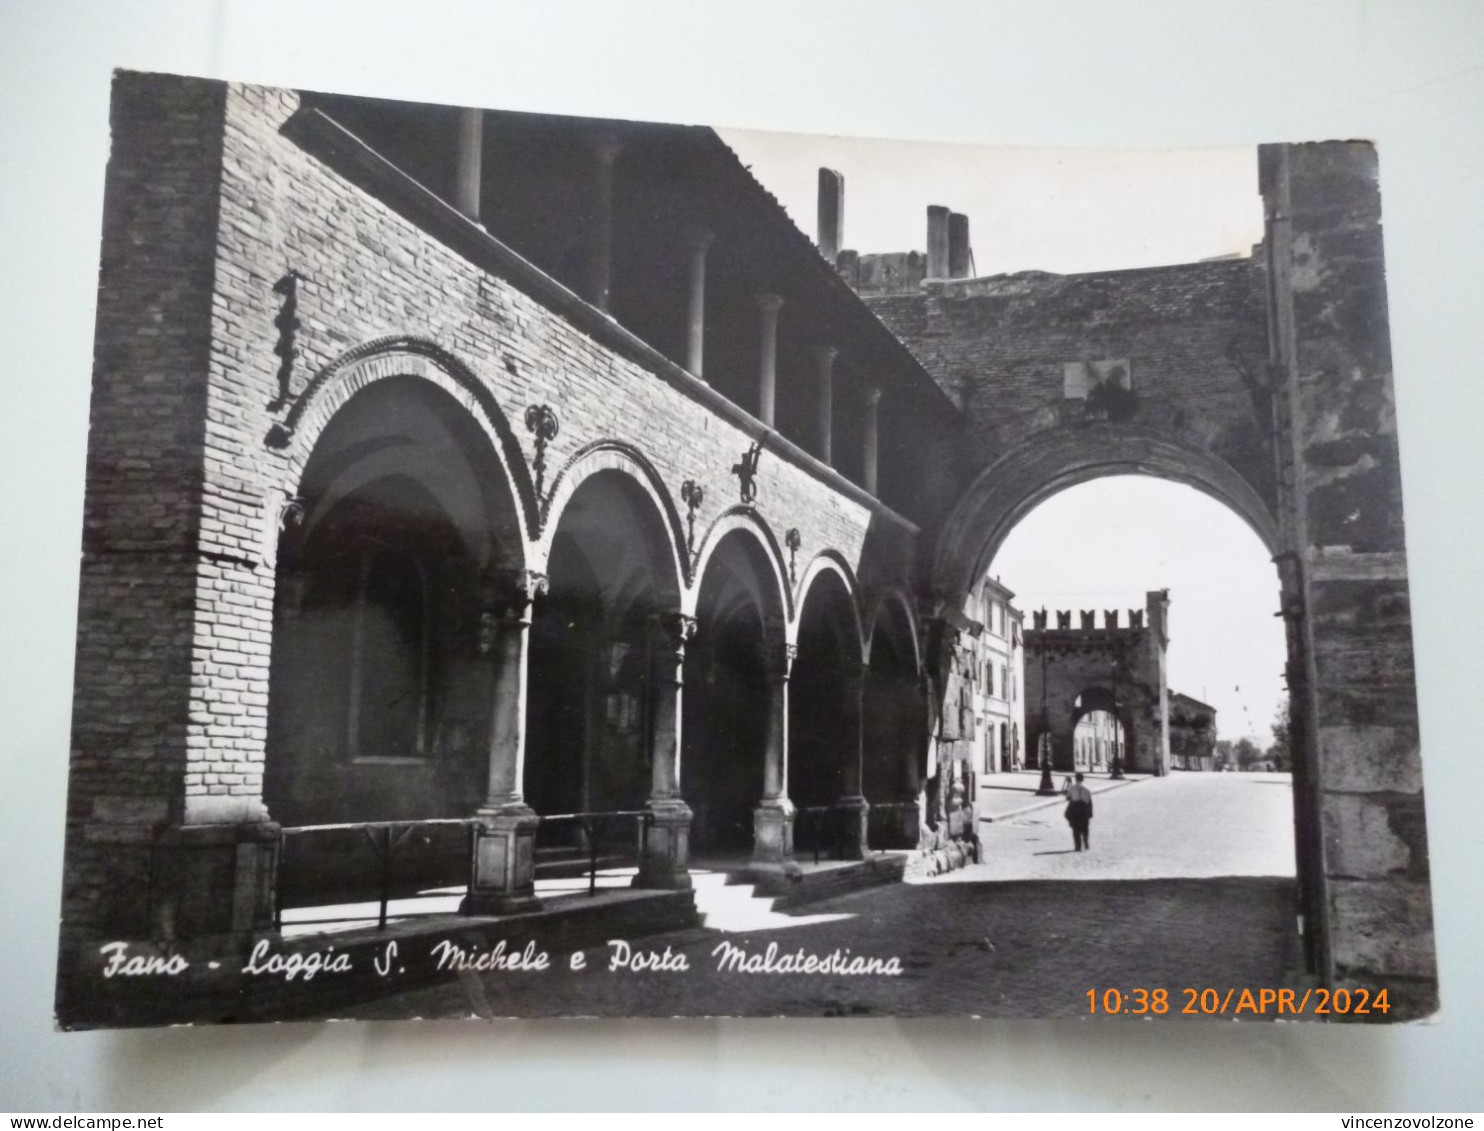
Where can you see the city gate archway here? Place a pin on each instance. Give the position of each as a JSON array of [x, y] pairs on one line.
[[1118, 666]]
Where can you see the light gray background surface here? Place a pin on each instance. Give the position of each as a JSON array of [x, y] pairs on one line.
[[1409, 75]]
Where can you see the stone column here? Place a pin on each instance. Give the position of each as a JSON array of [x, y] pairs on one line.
[[852, 806], [667, 833], [470, 157], [825, 421], [937, 242], [504, 861], [699, 240], [1063, 737], [773, 820], [767, 357], [959, 253], [600, 254], [873, 404], [831, 214]]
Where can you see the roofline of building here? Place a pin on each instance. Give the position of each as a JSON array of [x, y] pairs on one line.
[[945, 283], [1000, 589], [319, 134], [807, 252], [1191, 699]]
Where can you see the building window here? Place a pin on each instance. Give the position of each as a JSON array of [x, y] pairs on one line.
[[388, 692]]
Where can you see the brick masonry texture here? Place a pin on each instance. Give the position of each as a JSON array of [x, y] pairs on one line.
[[240, 206], [138, 583], [368, 273]]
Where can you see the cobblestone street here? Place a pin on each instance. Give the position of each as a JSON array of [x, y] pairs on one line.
[[1007, 938], [1191, 825]]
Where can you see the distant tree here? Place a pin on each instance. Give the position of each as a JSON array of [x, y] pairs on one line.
[[1246, 753], [1281, 752]]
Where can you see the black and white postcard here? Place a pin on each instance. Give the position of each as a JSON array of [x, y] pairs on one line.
[[538, 566]]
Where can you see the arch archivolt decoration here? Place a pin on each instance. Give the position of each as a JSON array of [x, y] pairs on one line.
[[747, 520], [1053, 461], [614, 455], [828, 561], [400, 356]]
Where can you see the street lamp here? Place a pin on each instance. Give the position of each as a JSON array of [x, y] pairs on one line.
[[1043, 752], [1117, 772]]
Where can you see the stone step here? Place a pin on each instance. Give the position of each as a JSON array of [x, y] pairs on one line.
[[736, 908]]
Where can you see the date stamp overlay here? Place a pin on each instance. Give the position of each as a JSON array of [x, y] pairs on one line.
[[1238, 1001]]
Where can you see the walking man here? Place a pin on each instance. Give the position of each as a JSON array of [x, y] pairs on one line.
[[1079, 812]]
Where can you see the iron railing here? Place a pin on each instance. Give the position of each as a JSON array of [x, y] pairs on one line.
[[813, 818], [387, 840], [595, 826]]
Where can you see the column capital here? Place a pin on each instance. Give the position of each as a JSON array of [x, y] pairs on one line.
[[674, 630], [778, 658], [511, 592], [698, 237], [873, 395], [769, 304], [825, 355]]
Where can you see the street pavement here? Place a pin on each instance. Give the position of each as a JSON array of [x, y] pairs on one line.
[[1181, 890], [1186, 824], [1005, 795]]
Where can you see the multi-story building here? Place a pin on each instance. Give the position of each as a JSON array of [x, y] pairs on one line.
[[1192, 733], [1096, 742], [999, 697]]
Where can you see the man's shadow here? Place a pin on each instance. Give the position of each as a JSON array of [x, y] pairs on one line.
[[1055, 852]]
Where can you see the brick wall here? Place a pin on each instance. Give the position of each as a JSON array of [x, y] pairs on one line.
[[196, 447], [138, 579]]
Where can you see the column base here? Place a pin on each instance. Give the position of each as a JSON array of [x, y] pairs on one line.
[[195, 903], [854, 815], [504, 864], [665, 862], [773, 837]]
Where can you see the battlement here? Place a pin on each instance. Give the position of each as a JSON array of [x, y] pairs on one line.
[[1155, 614], [1086, 622]]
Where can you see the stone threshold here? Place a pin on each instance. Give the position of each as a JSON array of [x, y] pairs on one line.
[[825, 880]]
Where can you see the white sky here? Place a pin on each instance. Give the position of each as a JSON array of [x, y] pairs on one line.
[[1057, 210], [1104, 544]]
